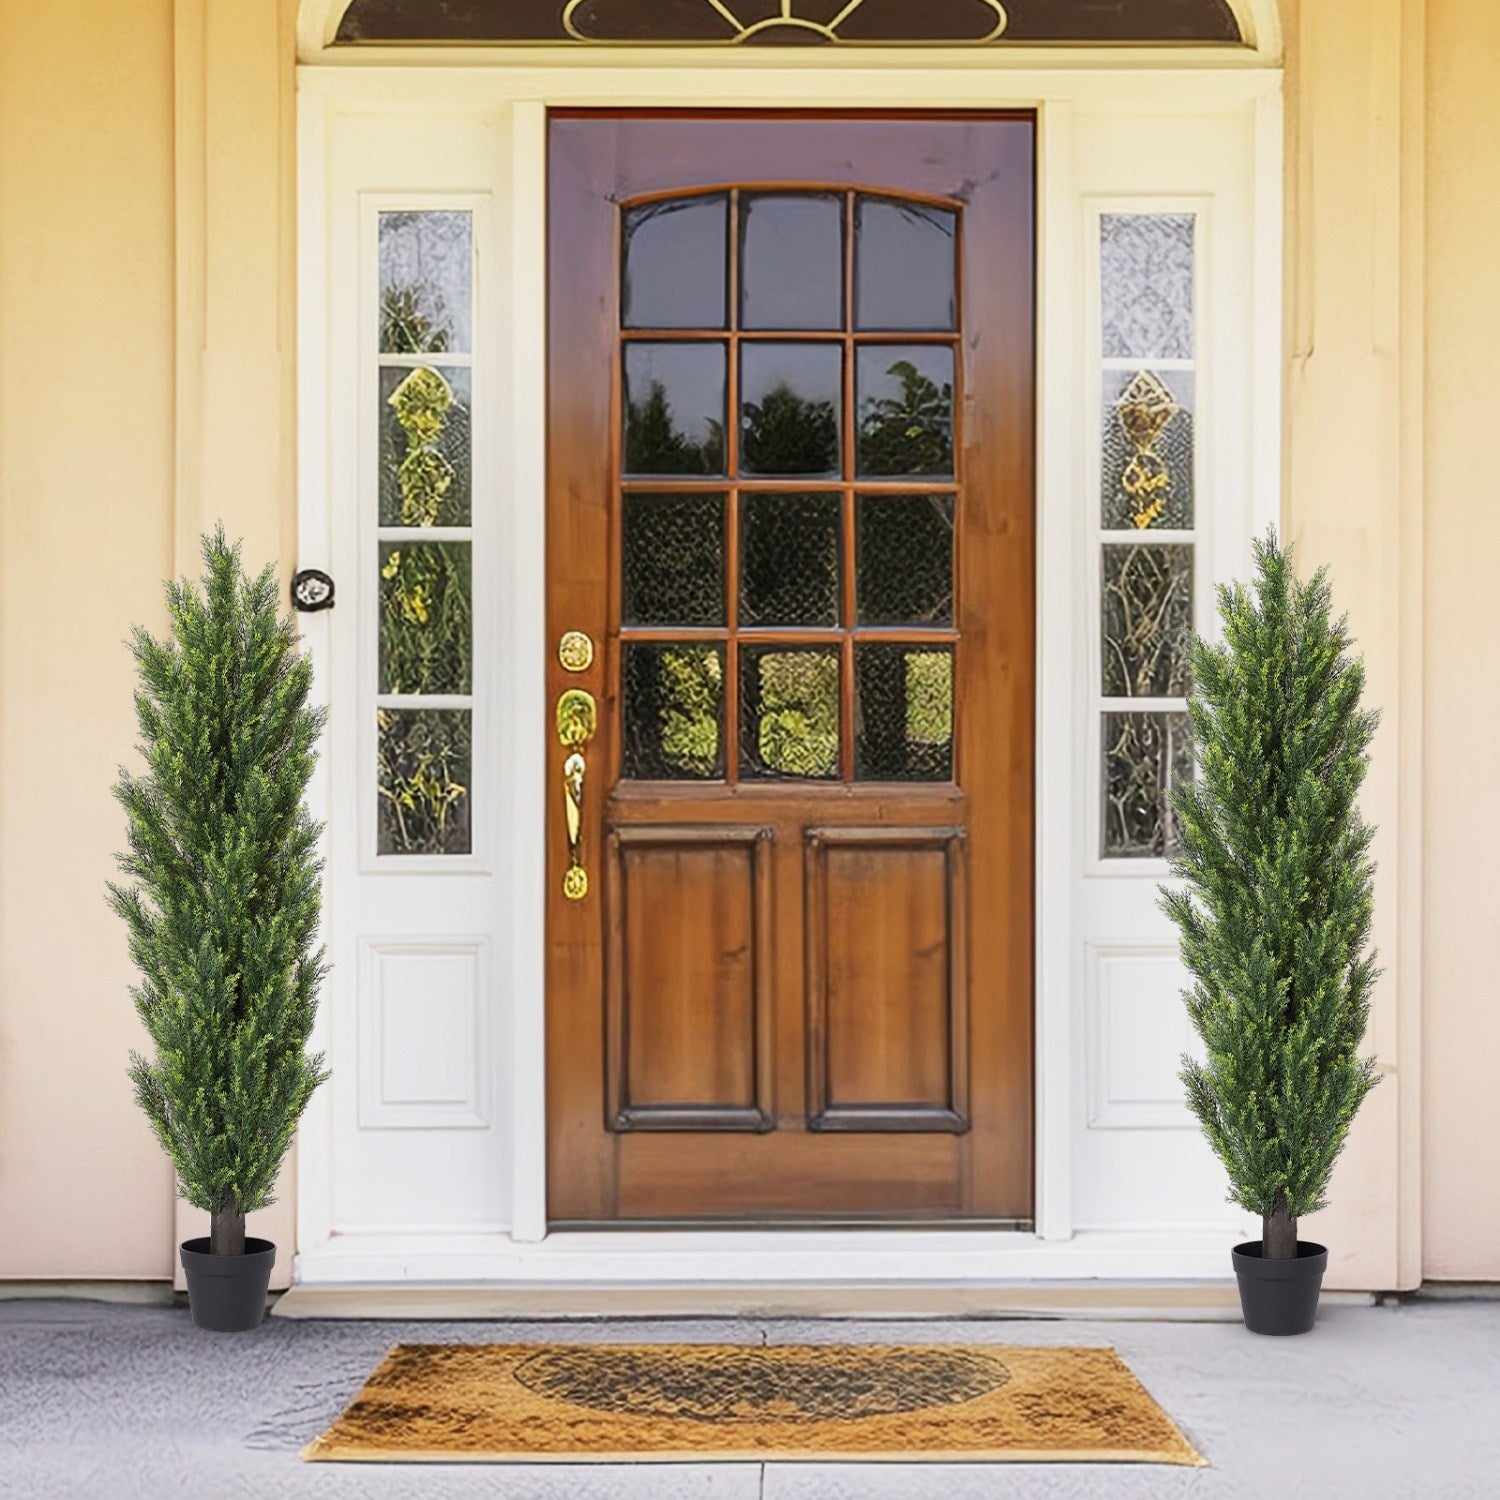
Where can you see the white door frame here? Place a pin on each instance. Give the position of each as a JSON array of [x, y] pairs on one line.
[[1093, 118]]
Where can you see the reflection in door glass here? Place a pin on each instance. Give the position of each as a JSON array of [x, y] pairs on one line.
[[673, 560], [905, 401], [904, 712], [905, 567], [906, 266], [676, 257], [673, 711], [789, 559], [792, 261], [791, 402], [789, 713], [674, 408]]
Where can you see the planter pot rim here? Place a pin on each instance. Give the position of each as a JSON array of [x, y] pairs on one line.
[[206, 1263], [1312, 1260]]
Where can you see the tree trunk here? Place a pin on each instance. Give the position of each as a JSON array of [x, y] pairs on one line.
[[226, 1234], [1278, 1235]]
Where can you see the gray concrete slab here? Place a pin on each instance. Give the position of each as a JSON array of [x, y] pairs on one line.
[[123, 1402]]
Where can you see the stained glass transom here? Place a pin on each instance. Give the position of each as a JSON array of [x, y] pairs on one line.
[[789, 22]]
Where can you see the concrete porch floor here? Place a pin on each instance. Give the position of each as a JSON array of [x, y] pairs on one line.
[[133, 1403]]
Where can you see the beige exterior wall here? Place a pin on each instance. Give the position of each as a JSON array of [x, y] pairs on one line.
[[146, 319], [1461, 1117]]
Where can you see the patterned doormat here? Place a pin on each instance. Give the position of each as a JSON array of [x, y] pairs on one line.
[[639, 1403]]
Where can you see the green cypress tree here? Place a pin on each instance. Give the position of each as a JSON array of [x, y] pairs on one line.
[[1276, 907], [223, 900]]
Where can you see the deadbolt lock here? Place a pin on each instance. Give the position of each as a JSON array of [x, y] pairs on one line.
[[575, 651]]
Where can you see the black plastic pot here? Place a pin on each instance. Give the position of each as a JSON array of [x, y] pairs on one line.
[[1280, 1297], [227, 1293]]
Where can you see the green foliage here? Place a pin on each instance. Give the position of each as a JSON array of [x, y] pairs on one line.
[[1275, 915], [786, 434], [798, 733], [655, 444], [223, 894], [426, 618], [406, 326], [909, 434], [691, 687], [424, 758]]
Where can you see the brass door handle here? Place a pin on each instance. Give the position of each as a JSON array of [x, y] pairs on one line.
[[577, 722]]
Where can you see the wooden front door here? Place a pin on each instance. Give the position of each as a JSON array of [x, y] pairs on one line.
[[790, 502]]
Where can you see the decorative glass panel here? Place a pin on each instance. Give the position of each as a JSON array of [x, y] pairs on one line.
[[905, 559], [1148, 450], [1146, 271], [674, 560], [800, 23], [674, 408], [789, 713], [426, 282], [1148, 621], [674, 706], [904, 713], [1144, 753], [906, 266], [676, 257], [792, 261], [426, 618], [426, 446], [424, 765], [905, 401], [791, 398], [789, 559]]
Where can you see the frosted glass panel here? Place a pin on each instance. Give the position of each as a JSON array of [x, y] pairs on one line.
[[1146, 265], [426, 282]]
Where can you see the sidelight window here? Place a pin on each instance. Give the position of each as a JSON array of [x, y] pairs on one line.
[[425, 660], [1148, 516]]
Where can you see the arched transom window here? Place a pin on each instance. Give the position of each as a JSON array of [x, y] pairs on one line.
[[792, 22]]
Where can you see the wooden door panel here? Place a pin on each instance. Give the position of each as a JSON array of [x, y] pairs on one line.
[[690, 998], [796, 518], [886, 982]]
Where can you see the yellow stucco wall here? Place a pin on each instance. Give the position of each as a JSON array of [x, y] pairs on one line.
[[146, 192], [1461, 1176], [86, 486]]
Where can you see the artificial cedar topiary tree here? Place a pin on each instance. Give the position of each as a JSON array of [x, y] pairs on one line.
[[222, 908], [1275, 912]]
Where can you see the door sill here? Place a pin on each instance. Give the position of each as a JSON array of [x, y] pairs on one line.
[[788, 1224], [751, 1258]]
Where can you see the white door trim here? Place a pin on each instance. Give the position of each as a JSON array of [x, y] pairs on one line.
[[1066, 1243]]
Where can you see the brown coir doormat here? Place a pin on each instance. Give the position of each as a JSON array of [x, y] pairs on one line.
[[507, 1403]]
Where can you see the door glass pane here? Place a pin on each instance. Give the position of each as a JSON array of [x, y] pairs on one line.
[[674, 560], [1146, 274], [792, 261], [905, 562], [1148, 450], [789, 713], [904, 713], [1144, 754], [674, 408], [905, 266], [791, 402], [426, 618], [789, 559], [424, 765], [676, 258], [426, 446], [1147, 621], [426, 282], [905, 395], [673, 712]]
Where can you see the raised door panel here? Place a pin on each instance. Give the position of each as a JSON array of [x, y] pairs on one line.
[[688, 979]]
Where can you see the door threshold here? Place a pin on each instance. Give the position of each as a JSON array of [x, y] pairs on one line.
[[1092, 1302]]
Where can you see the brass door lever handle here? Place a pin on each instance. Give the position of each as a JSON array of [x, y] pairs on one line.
[[577, 723]]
